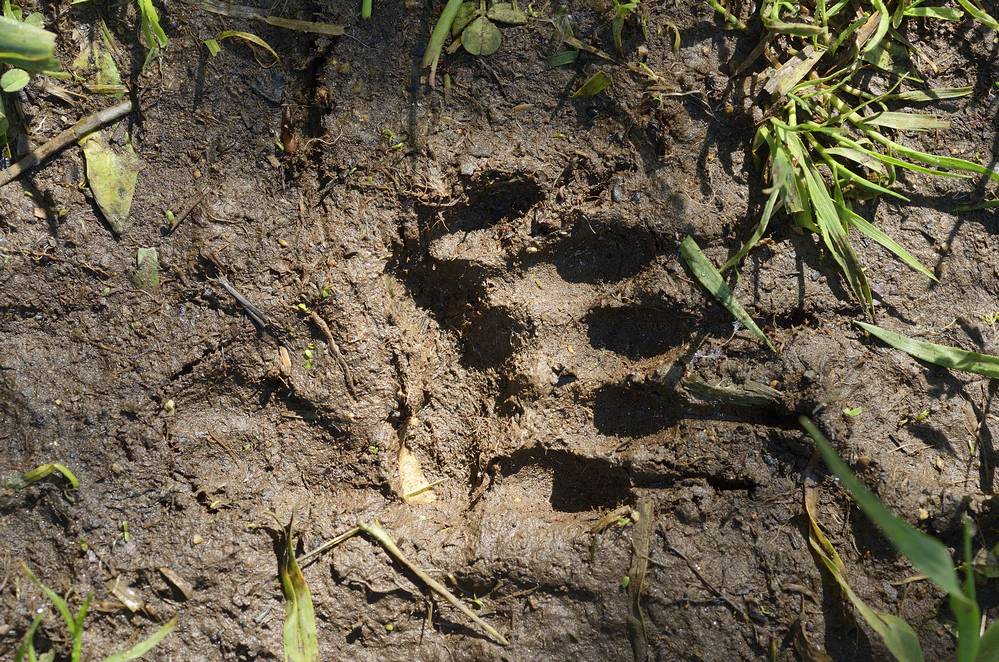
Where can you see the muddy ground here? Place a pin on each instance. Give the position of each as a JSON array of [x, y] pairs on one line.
[[498, 268]]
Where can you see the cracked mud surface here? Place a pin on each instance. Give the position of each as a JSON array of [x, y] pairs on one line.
[[522, 328]]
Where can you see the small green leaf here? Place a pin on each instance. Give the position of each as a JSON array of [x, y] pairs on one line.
[[980, 14], [939, 13], [906, 121], [596, 84], [708, 276], [112, 174], [481, 37], [26, 46], [853, 412]]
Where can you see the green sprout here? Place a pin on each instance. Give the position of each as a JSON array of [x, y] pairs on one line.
[[829, 141], [26, 652], [152, 32]]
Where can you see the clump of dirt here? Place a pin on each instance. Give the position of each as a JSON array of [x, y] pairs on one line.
[[489, 275]]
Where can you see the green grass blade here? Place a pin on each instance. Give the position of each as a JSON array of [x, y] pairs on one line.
[[927, 554], [966, 611], [932, 159], [77, 630], [987, 204], [988, 645], [939, 13], [794, 29], [980, 14], [146, 645], [874, 232], [441, 31], [890, 160], [857, 156], [761, 228], [151, 28], [897, 635], [942, 355], [54, 598], [863, 182], [301, 640], [884, 22], [936, 94], [906, 121], [27, 645], [711, 279], [834, 236]]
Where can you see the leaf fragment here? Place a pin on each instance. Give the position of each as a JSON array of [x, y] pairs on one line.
[[248, 37], [413, 483], [509, 13], [112, 175]]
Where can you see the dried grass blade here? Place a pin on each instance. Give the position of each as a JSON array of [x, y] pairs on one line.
[[898, 636], [874, 232]]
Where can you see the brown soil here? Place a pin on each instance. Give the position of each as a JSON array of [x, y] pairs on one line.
[[506, 292]]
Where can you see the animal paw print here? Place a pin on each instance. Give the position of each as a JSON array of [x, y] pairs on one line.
[[547, 298]]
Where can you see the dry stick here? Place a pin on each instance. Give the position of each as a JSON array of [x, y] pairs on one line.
[[306, 559], [335, 348], [641, 539], [63, 139], [375, 530]]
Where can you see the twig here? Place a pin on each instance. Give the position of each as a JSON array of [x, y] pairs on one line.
[[697, 573], [348, 378], [255, 313], [186, 211], [375, 530], [63, 139], [307, 558]]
